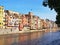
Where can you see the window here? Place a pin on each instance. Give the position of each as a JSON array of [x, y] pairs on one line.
[[0, 23]]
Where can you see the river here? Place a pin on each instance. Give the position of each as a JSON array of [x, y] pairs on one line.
[[51, 38]]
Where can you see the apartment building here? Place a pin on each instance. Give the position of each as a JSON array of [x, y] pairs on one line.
[[28, 21], [39, 23], [42, 23], [2, 17], [54, 25], [48, 23], [33, 21], [36, 24], [11, 19], [23, 23]]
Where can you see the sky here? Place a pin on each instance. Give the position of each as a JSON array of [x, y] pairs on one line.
[[25, 6]]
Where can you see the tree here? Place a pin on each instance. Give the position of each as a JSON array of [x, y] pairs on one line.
[[54, 4]]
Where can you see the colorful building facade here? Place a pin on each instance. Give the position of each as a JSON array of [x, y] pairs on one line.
[[10, 19], [1, 17]]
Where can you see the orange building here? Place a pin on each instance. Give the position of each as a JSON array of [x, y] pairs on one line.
[[23, 22], [32, 20]]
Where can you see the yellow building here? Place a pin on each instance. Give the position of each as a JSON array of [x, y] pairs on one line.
[[1, 16]]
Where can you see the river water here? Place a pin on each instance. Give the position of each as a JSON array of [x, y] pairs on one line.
[[52, 38]]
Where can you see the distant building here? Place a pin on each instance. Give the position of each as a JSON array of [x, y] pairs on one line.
[[48, 23]]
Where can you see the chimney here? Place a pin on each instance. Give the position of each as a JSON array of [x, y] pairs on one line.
[[30, 13]]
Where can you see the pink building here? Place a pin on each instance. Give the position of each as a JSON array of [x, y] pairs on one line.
[[11, 19]]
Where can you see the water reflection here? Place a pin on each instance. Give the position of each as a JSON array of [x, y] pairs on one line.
[[52, 38], [55, 42]]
